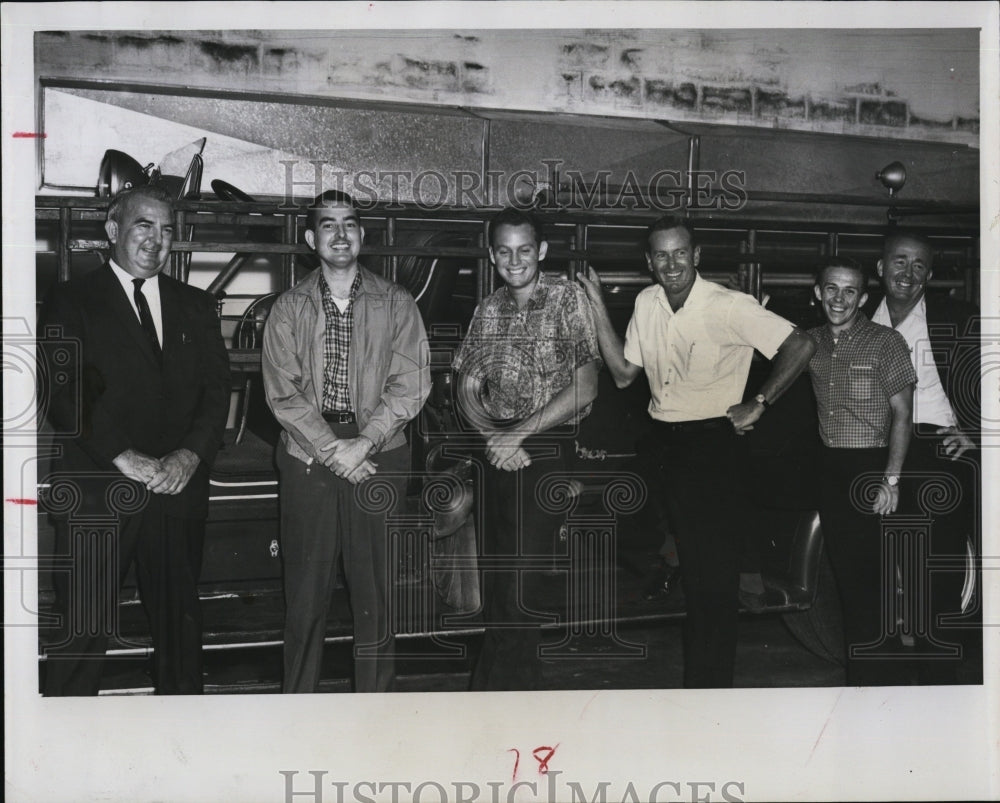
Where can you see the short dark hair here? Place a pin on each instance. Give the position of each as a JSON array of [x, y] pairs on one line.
[[327, 198], [150, 192], [842, 262], [666, 223], [512, 216], [894, 236]]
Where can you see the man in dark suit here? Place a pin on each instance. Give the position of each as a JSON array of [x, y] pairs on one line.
[[139, 423], [941, 473]]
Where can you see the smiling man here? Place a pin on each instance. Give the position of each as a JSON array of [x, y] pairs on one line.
[[944, 341], [863, 382], [528, 374], [695, 340], [346, 365], [151, 394]]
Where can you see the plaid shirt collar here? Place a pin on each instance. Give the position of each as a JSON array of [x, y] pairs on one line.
[[847, 335]]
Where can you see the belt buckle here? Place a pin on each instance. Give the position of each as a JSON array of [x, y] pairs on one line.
[[345, 418]]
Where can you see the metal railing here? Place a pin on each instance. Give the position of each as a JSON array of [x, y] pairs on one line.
[[574, 241]]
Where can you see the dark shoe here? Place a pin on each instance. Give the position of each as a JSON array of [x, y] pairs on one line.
[[662, 583]]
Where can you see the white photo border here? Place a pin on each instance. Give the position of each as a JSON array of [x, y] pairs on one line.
[[790, 744]]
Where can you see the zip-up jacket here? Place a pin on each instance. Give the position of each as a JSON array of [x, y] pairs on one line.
[[388, 369]]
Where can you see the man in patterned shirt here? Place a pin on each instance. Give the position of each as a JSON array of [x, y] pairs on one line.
[[346, 365], [528, 373], [863, 381]]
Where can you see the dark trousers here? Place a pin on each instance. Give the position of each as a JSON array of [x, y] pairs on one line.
[[946, 494], [704, 484], [865, 573], [167, 554], [517, 535], [322, 519]]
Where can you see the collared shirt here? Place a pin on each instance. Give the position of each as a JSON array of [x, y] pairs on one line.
[[337, 346], [150, 289], [389, 372], [697, 359], [853, 378], [930, 404], [526, 356]]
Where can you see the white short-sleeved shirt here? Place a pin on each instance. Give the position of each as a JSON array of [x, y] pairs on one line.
[[697, 359]]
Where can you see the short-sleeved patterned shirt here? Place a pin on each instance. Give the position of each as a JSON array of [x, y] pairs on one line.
[[337, 347], [526, 356], [853, 380]]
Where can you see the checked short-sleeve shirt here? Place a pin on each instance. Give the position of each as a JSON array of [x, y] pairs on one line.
[[853, 379], [526, 356], [337, 347]]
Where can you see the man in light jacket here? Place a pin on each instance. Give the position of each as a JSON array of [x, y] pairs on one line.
[[346, 364]]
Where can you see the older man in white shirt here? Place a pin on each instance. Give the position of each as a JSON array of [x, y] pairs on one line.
[[943, 338]]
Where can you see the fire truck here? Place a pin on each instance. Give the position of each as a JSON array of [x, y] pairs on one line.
[[246, 248]]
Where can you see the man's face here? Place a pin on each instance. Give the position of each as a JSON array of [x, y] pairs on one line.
[[841, 291], [905, 270], [672, 260], [516, 255], [337, 236], [142, 237]]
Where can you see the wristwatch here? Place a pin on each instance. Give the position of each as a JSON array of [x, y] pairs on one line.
[[761, 400], [892, 480]]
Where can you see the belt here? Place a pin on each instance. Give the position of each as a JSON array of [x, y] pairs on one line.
[[340, 416], [701, 425]]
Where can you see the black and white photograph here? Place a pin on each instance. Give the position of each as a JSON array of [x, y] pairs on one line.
[[465, 401]]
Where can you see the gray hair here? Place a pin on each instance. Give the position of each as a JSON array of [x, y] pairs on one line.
[[149, 192]]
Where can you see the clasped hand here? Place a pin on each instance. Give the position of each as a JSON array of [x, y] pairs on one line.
[[504, 451], [348, 458], [168, 475], [744, 416]]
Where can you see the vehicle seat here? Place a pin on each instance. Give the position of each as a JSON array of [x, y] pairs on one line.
[[249, 334], [431, 280]]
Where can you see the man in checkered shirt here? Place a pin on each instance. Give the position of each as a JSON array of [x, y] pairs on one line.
[[863, 381], [346, 365], [528, 373]]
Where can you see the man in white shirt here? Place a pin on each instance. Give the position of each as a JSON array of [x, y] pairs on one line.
[[695, 341], [944, 481]]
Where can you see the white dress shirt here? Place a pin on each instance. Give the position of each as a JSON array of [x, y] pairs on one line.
[[697, 359], [150, 289], [930, 404]]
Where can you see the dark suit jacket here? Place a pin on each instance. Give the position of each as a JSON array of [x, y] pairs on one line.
[[118, 397], [955, 334]]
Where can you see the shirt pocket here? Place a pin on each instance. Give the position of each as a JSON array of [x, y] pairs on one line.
[[861, 382], [702, 361]]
